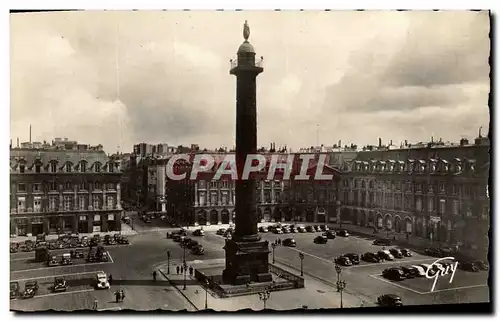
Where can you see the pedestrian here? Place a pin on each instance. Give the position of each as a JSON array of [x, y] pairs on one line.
[[95, 304], [177, 268], [279, 241], [117, 296], [122, 295], [110, 279], [154, 275], [191, 270]]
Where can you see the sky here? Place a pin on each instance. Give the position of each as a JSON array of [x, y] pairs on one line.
[[120, 78]]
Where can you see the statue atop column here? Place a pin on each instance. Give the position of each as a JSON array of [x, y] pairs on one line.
[[246, 31]]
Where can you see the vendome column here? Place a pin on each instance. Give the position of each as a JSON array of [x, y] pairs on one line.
[[246, 254]]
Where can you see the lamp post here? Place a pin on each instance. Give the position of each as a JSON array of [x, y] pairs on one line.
[[185, 268], [206, 294], [340, 287], [338, 214], [301, 256], [264, 296], [338, 269], [168, 262], [273, 245]]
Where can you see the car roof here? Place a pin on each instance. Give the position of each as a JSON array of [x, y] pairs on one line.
[[392, 296], [101, 275]]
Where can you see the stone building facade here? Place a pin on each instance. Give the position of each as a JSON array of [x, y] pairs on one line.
[[438, 193], [68, 189]]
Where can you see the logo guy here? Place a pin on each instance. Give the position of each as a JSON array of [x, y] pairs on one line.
[[452, 268]]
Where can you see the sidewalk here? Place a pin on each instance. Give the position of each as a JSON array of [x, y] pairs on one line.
[[315, 295], [126, 230]]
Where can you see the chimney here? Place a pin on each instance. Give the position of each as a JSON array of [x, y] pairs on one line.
[[406, 143], [379, 142], [17, 142], [391, 143], [432, 139], [340, 143]]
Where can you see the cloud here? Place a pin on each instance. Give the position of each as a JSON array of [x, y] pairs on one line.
[[120, 78]]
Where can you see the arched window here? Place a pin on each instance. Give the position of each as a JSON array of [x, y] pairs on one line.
[[111, 167], [97, 167], [83, 166], [68, 167]]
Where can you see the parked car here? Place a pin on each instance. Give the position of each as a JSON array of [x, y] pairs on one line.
[[109, 240], [329, 235], [14, 247], [468, 266], [342, 233], [343, 260], [320, 239], [481, 265], [77, 254], [293, 229], [385, 242], [191, 244], [324, 228], [420, 270], [198, 232], [278, 230], [353, 257], [393, 274], [301, 229], [286, 230], [221, 231], [59, 285], [410, 272], [310, 229], [427, 267], [317, 228], [390, 300], [14, 290], [198, 250], [371, 257], [289, 242], [66, 259], [122, 239], [385, 255], [406, 252], [396, 253], [263, 229], [85, 241], [126, 220], [30, 289], [52, 261], [177, 238], [438, 252], [101, 281]]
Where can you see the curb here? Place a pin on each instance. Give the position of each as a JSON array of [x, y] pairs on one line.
[[179, 290]]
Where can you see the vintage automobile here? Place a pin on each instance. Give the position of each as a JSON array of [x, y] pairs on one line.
[[52, 261], [66, 259], [77, 254], [384, 242], [410, 272], [371, 257], [481, 265], [390, 300], [14, 247], [30, 289], [420, 270], [353, 257], [109, 240], [468, 266], [290, 242], [342, 233], [324, 228], [406, 252], [385, 255], [59, 285], [84, 241], [310, 229], [198, 232], [394, 274], [101, 281], [301, 229], [122, 239], [263, 229], [396, 253], [329, 234], [198, 250], [343, 260], [320, 239], [14, 290], [317, 228]]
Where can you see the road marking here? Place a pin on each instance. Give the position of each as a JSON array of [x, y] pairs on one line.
[[312, 255], [23, 258], [457, 288], [375, 276], [109, 255], [388, 263], [59, 266], [55, 276]]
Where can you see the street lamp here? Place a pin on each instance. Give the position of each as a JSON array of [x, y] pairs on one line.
[[185, 268], [340, 287], [264, 296], [301, 256], [168, 262], [338, 214], [273, 245], [338, 269], [206, 294]]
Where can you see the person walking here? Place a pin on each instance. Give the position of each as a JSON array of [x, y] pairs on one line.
[[95, 304], [178, 269], [110, 279], [154, 275], [117, 296], [191, 271], [122, 295]]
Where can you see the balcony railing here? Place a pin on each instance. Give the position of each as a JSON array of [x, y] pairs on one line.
[[233, 63]]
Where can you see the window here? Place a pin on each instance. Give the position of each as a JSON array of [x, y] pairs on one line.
[[398, 185], [277, 195], [267, 196], [36, 187], [37, 204], [21, 168], [21, 204], [37, 168], [224, 184], [53, 186], [486, 210], [441, 187], [345, 183], [97, 167], [202, 184], [53, 167], [213, 198], [21, 187], [68, 185], [418, 187], [67, 203], [52, 203], [96, 202], [455, 207], [111, 217], [110, 202], [418, 204], [68, 167], [202, 199], [430, 204], [84, 186], [81, 203], [442, 206], [213, 184], [97, 185], [97, 218], [356, 183], [82, 218], [83, 166], [111, 167]]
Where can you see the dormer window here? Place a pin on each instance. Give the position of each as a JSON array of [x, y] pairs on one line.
[[111, 167], [68, 167], [53, 167], [97, 167], [83, 166], [22, 168]]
